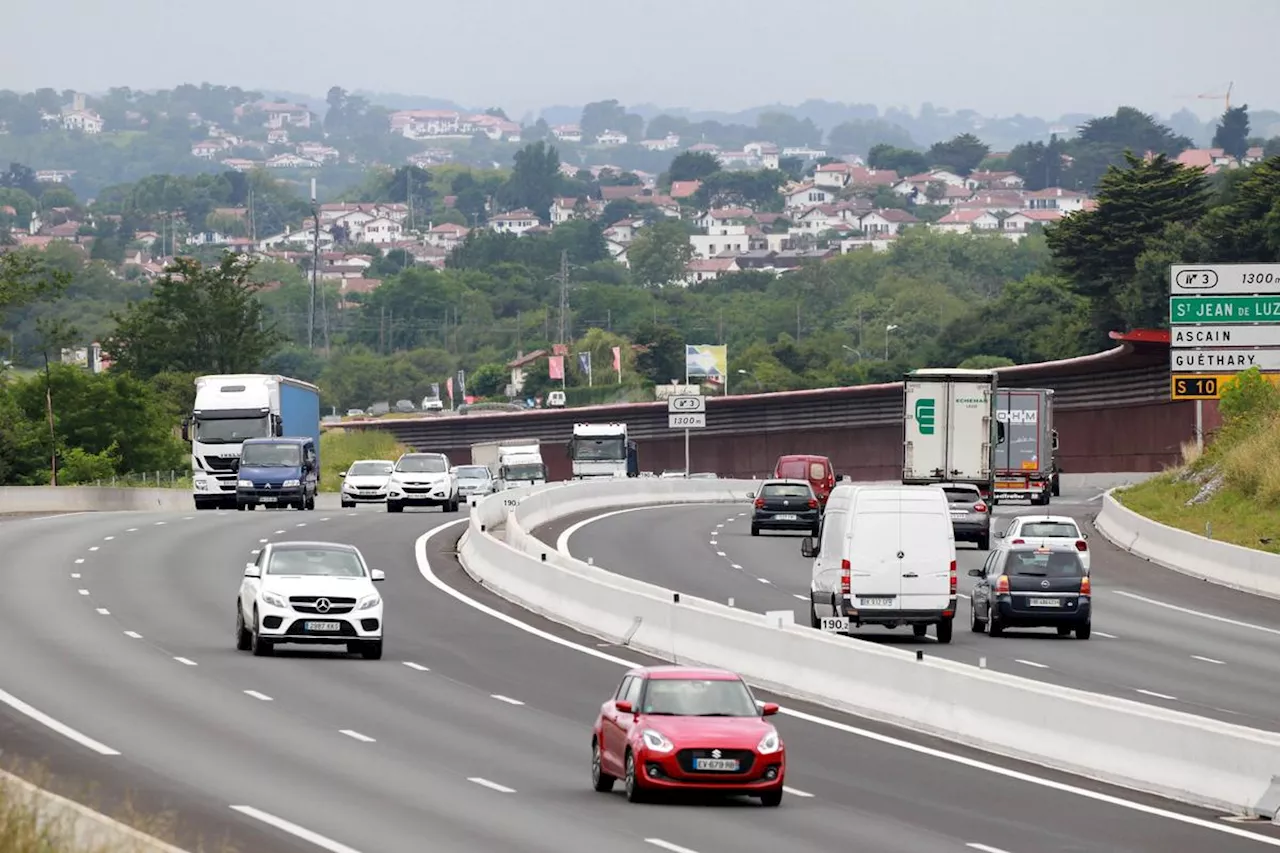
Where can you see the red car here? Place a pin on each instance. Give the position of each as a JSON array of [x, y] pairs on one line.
[[816, 469], [671, 728]]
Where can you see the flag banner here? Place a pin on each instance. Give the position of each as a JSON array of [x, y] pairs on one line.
[[462, 383], [448, 386], [706, 363], [584, 362], [555, 367], [617, 359], [559, 349]]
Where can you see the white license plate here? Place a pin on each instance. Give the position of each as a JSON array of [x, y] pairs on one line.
[[786, 516], [1045, 602], [324, 626], [834, 624], [729, 765], [875, 602], [268, 500], [958, 514]]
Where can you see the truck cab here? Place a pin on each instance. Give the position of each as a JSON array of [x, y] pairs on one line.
[[602, 450], [280, 472]]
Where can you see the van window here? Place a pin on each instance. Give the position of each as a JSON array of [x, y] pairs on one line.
[[832, 532], [792, 470], [817, 471], [785, 491]]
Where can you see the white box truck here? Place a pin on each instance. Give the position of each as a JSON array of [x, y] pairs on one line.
[[950, 429], [512, 462]]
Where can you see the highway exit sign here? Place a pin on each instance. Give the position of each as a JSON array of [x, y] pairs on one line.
[[1186, 310], [1203, 386]]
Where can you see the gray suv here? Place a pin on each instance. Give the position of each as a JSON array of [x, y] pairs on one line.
[[970, 514]]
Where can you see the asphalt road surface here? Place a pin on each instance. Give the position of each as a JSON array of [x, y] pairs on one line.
[[119, 671]]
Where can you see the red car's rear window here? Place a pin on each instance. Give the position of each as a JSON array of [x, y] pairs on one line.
[[792, 470]]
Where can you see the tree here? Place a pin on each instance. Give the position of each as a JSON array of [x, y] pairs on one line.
[[863, 136], [660, 253], [25, 277], [904, 161], [692, 166], [662, 357], [1232, 135], [534, 181], [1132, 130], [204, 319], [1246, 229], [599, 116], [1040, 165], [488, 380], [788, 131], [961, 154]]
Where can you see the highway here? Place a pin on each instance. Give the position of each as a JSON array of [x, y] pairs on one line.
[[1158, 637], [119, 670]]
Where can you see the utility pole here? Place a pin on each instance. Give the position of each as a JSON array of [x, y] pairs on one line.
[[564, 291], [315, 267]]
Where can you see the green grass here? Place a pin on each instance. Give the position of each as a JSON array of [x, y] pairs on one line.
[[340, 447]]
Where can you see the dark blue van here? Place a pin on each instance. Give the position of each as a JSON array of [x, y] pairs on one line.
[[278, 472]]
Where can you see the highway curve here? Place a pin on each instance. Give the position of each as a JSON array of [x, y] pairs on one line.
[[472, 733], [1158, 636]]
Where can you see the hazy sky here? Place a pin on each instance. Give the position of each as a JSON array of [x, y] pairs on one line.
[[1040, 57]]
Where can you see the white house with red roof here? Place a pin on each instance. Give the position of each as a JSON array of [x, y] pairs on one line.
[[709, 269], [807, 195], [967, 222], [1055, 198], [515, 222]]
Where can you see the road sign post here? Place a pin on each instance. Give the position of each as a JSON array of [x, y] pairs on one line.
[[686, 411], [1223, 319]]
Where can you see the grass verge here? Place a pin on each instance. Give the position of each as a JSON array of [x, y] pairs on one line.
[[340, 447]]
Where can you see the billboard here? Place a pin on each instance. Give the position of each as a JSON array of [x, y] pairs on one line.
[[706, 363]]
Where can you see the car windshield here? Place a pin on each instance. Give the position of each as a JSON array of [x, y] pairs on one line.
[[1049, 564], [472, 472], [370, 469], [422, 465], [784, 490], [1050, 530], [315, 561], [270, 456], [698, 697], [962, 496], [229, 430]]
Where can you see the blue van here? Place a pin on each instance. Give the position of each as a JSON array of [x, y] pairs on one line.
[[278, 472]]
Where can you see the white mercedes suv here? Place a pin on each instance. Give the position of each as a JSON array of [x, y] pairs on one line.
[[312, 593], [422, 479]]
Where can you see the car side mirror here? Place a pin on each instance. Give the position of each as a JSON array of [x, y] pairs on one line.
[[975, 573], [252, 571], [839, 478], [1000, 534], [377, 575], [342, 473], [624, 707], [1084, 535], [808, 548], [751, 496], [769, 709]]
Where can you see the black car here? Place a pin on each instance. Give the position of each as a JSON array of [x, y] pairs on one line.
[[786, 505], [1029, 587], [970, 514]]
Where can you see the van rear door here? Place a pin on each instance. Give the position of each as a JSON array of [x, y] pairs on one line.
[[928, 549], [875, 581]]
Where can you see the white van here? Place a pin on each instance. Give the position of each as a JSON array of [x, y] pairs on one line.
[[885, 555], [555, 400]]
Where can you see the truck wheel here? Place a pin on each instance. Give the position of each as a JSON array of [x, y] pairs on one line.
[[944, 631], [1056, 489]]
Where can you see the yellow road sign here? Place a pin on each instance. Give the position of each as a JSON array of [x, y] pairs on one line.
[[1206, 386]]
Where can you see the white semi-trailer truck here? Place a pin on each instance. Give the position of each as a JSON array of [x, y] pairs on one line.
[[602, 450], [950, 429]]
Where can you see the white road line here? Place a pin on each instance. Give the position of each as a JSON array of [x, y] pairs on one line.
[[185, 661], [302, 524], [324, 519], [667, 845], [50, 723], [262, 541], [735, 566], [107, 538], [255, 552], [351, 515], [506, 699], [985, 848], [419, 667], [187, 517], [278, 532], [1156, 695], [104, 611], [719, 553], [562, 541], [718, 526], [357, 736], [75, 575], [93, 547], [424, 569], [1105, 635], [256, 695], [764, 580], [83, 591], [1201, 614], [493, 786], [134, 634], [293, 829], [796, 792], [1209, 660], [799, 596], [712, 542], [159, 524], [132, 530], [79, 560], [1031, 663]]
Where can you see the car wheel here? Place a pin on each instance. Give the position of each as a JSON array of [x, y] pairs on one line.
[[242, 507], [920, 631], [994, 628], [772, 799], [755, 531], [601, 781], [372, 650], [244, 640], [984, 542], [943, 631], [813, 616], [1084, 630], [260, 647], [976, 625], [635, 793]]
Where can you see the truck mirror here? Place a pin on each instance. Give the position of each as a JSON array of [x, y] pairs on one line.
[[186, 429], [1054, 440]]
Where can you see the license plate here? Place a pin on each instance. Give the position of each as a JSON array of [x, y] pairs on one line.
[[958, 513], [875, 602], [1045, 602], [729, 765], [324, 626], [834, 624], [267, 500], [786, 516]]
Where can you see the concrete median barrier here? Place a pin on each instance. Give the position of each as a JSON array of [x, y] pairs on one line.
[[1173, 754], [92, 499]]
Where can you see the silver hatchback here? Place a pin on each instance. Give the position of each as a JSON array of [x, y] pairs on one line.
[[970, 514]]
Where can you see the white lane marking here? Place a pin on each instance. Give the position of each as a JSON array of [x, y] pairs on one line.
[[351, 515], [256, 695], [719, 553], [1156, 695], [493, 786], [1224, 620], [134, 634], [799, 596], [187, 517], [104, 611], [159, 523], [1105, 635], [764, 580], [93, 547], [302, 524], [985, 848], [562, 541], [79, 560], [50, 723], [356, 736], [293, 829], [278, 532], [962, 595], [667, 845], [262, 541], [419, 667], [506, 699], [718, 526], [83, 591], [424, 569], [1031, 663], [735, 566], [1209, 660], [132, 530], [75, 575], [107, 538], [324, 519], [712, 542], [255, 552], [796, 792], [185, 661]]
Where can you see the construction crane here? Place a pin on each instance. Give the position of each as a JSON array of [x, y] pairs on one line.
[[1225, 97]]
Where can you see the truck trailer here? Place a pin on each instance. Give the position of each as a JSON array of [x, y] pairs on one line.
[[950, 429], [512, 462], [1027, 458], [234, 407]]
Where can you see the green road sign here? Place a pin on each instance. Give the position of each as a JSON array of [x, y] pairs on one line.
[[926, 410], [1184, 310]]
